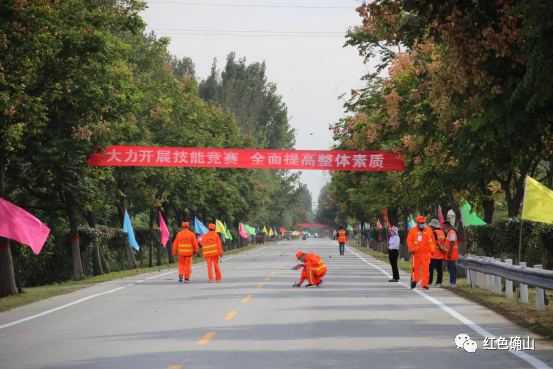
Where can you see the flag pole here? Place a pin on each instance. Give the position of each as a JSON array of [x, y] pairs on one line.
[[521, 222]]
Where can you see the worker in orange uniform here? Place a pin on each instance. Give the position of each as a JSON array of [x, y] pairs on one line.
[[438, 255], [313, 269], [187, 246], [452, 254], [420, 241], [342, 240], [211, 249]]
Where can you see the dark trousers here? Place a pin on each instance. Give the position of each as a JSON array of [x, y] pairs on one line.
[[451, 267], [436, 264], [342, 247], [393, 255]]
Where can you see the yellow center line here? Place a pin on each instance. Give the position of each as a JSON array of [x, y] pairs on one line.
[[247, 298], [267, 279], [206, 338], [259, 285], [273, 273], [231, 315], [175, 367]]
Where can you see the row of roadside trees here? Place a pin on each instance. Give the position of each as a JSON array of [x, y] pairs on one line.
[[77, 76], [463, 89]]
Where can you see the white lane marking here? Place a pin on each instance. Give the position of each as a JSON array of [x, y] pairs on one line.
[[115, 289], [96, 295], [58, 308], [536, 363]]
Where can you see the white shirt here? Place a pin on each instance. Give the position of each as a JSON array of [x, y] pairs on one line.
[[394, 242]]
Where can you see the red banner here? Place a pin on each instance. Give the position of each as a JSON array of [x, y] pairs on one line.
[[318, 225], [134, 156]]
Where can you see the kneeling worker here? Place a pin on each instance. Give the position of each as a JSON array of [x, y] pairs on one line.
[[186, 245], [313, 270], [211, 249]]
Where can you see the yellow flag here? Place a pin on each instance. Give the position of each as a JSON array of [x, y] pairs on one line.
[[538, 202], [265, 230], [219, 227], [271, 232]]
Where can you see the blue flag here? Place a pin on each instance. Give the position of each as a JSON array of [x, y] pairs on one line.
[[127, 228], [200, 228]]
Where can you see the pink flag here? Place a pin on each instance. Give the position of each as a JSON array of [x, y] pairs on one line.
[[17, 224], [378, 225], [164, 231], [242, 231], [441, 217]]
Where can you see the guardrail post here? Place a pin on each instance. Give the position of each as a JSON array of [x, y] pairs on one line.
[[497, 280], [523, 287], [540, 297], [508, 283], [487, 279]]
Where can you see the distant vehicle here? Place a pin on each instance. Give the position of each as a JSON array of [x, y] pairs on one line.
[[259, 239], [304, 237]]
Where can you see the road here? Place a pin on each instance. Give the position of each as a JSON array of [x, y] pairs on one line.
[[255, 319]]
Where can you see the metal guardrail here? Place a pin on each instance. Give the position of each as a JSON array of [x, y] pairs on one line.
[[516, 273]]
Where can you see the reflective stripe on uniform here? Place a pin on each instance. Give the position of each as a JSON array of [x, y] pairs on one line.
[[209, 247], [187, 247]]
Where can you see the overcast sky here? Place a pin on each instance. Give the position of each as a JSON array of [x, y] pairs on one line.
[[310, 72]]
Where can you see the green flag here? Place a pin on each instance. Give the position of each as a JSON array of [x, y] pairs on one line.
[[470, 219], [350, 228], [227, 234], [249, 230]]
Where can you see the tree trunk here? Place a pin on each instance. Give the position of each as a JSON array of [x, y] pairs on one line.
[[96, 261], [105, 265], [151, 248], [393, 216], [7, 276], [71, 207], [489, 203]]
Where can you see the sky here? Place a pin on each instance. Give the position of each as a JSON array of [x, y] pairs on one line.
[[310, 72]]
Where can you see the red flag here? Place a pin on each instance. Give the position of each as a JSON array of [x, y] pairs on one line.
[[164, 231], [282, 230], [388, 226], [19, 225]]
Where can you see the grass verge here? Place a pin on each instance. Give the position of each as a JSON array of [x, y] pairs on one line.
[[33, 294], [524, 315]]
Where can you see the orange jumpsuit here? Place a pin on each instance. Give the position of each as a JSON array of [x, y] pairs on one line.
[[186, 245], [211, 249], [422, 242], [314, 269]]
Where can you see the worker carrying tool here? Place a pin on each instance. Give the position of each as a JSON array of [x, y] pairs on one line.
[[187, 246], [420, 241], [211, 249], [313, 269]]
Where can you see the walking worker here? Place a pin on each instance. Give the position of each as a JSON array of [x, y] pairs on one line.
[[211, 249], [452, 254], [421, 245], [393, 253], [342, 240], [438, 255], [187, 246], [313, 269]]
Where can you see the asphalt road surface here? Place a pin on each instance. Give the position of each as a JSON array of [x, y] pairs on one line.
[[255, 319]]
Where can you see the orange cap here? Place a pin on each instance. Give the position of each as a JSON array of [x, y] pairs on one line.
[[185, 224], [421, 219], [211, 226], [300, 253]]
